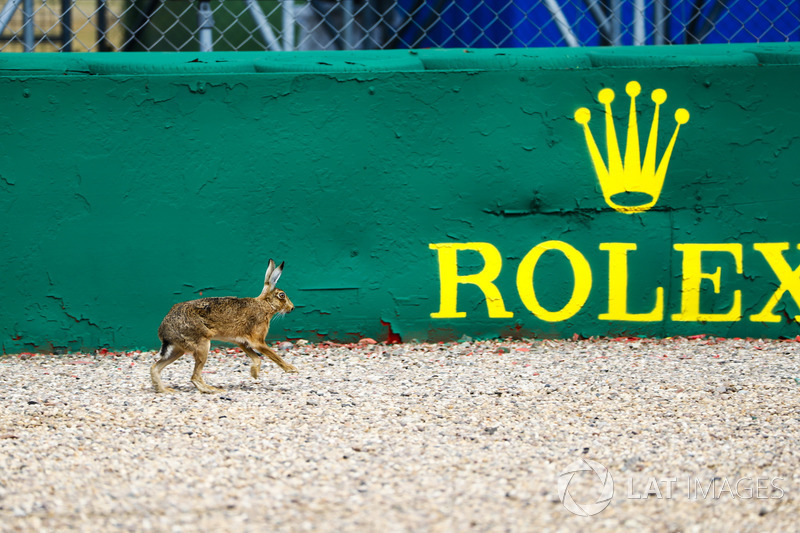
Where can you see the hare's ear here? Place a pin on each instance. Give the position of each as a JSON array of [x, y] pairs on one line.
[[270, 269], [275, 276]]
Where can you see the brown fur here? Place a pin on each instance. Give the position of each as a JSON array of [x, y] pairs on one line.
[[191, 326]]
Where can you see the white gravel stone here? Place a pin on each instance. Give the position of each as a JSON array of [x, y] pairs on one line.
[[467, 436]]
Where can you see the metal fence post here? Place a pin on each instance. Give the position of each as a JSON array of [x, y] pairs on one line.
[[263, 25], [27, 25], [7, 12], [561, 22], [288, 23], [638, 23], [205, 26]]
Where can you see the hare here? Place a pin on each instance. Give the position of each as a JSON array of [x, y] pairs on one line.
[[190, 327]]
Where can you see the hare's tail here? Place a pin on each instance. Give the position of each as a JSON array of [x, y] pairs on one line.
[[164, 349]]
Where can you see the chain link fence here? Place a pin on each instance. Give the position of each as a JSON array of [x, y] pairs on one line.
[[225, 25]]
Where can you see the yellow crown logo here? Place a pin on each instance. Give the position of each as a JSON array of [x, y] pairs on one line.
[[635, 186]]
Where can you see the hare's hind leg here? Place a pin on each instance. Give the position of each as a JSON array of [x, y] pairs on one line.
[[200, 353], [169, 353], [255, 360]]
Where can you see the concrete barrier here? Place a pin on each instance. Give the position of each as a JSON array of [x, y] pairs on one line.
[[426, 194]]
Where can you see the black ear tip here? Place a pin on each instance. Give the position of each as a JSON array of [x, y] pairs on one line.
[[282, 263]]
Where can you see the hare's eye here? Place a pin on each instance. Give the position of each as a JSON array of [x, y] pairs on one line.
[[281, 295]]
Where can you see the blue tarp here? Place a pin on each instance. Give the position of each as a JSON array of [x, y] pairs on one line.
[[510, 24]]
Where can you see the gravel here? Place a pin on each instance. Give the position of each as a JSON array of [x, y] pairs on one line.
[[467, 436]]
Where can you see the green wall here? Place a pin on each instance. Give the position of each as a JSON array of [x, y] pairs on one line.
[[129, 182]]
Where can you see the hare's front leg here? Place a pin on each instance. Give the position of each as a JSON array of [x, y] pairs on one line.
[[200, 353], [263, 349]]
